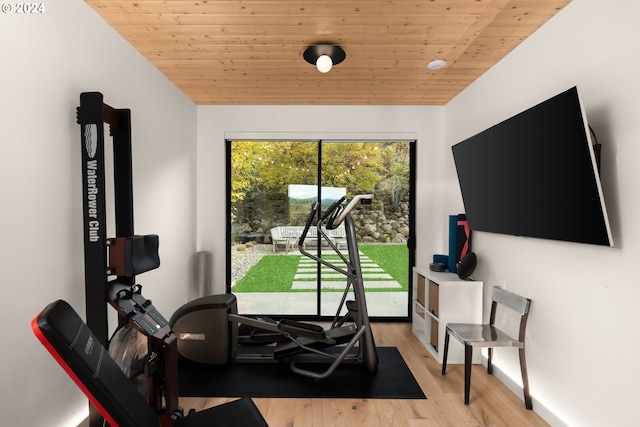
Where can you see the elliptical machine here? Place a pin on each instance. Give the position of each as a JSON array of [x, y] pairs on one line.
[[209, 329]]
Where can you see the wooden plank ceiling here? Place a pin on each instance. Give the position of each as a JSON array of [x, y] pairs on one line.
[[237, 52]]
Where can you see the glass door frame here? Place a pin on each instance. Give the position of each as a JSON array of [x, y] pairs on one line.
[[411, 239]]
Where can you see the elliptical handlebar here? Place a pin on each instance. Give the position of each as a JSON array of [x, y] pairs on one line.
[[336, 213], [339, 215], [307, 226], [334, 207]]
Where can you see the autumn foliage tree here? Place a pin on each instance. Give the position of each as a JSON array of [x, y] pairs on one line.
[[261, 172]]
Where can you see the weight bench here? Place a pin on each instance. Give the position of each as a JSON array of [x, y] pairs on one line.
[[70, 341]]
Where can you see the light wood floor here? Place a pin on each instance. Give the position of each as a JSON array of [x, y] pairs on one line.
[[492, 403]]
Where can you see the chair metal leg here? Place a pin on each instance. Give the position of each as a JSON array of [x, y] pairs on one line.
[[468, 356], [525, 379], [489, 364], [445, 352]]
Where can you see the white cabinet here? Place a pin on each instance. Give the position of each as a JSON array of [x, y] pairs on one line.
[[441, 298]]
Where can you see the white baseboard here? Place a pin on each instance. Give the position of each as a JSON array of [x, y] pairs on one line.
[[538, 407]]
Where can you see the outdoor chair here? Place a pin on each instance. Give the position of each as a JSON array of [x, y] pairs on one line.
[[488, 336], [277, 238]]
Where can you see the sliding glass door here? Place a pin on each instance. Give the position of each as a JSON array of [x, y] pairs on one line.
[[272, 187]]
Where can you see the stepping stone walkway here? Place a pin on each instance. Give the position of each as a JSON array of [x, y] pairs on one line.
[[373, 275]]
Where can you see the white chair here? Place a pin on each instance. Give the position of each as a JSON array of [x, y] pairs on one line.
[[278, 239], [488, 336]]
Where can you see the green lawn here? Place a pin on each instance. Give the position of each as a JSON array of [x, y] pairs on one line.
[[275, 273], [394, 259]]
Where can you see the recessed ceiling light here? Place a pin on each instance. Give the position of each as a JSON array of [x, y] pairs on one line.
[[436, 64]]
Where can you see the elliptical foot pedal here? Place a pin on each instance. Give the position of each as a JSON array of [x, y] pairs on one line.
[[352, 306], [300, 329], [252, 335]]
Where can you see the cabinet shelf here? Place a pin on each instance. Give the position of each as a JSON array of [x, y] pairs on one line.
[[419, 307], [421, 310], [442, 298]]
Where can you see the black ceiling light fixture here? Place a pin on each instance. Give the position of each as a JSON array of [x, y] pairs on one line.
[[324, 56]]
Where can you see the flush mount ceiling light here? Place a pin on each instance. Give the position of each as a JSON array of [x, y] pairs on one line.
[[324, 56], [436, 64]]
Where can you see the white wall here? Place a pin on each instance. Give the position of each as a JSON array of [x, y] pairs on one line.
[[215, 123], [582, 350], [581, 347], [46, 61]]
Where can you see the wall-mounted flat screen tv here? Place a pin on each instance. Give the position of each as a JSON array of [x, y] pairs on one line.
[[535, 175]]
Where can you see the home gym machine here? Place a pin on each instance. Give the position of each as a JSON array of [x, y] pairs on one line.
[[210, 330], [111, 266]]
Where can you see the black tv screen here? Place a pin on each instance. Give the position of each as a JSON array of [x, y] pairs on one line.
[[535, 175]]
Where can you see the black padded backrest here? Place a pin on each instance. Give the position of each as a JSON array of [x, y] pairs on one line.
[[86, 361]]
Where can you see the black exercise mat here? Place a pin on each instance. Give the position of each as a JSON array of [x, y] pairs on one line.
[[393, 380]]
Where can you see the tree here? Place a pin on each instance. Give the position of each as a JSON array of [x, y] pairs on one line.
[[265, 169]]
